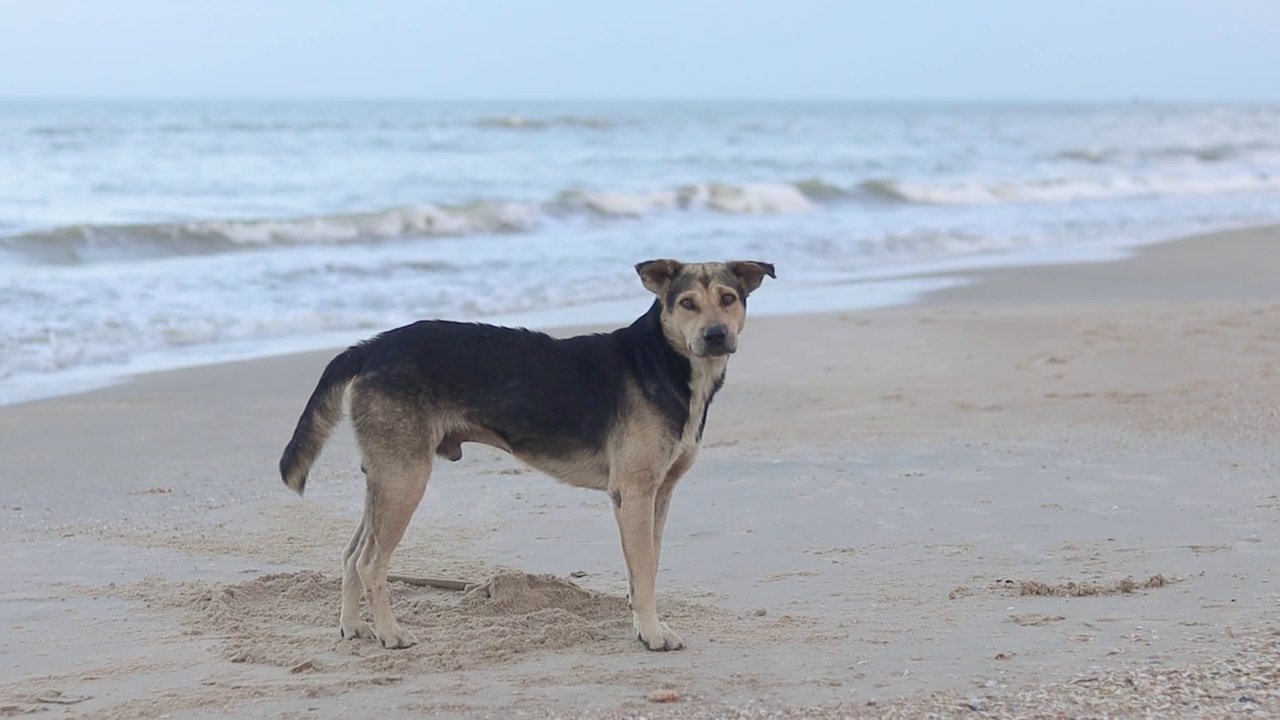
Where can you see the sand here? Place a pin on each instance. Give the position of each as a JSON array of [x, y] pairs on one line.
[[1049, 493]]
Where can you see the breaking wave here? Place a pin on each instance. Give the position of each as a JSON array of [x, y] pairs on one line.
[[1213, 153], [520, 122], [288, 126], [757, 199], [1062, 189], [91, 243]]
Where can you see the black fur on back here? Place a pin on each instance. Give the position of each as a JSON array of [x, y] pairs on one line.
[[538, 393]]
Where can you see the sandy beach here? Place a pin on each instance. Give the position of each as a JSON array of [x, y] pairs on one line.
[[1049, 493]]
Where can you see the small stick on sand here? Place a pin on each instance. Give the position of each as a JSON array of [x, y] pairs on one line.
[[442, 583]]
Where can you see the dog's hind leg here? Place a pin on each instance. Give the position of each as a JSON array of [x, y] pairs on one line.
[[634, 511], [396, 486], [350, 624]]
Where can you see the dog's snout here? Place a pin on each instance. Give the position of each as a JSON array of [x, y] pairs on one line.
[[715, 335]]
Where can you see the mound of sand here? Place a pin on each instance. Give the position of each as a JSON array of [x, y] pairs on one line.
[[1085, 589], [290, 620]]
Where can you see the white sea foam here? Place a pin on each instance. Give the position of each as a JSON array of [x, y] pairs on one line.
[[616, 204], [520, 122], [751, 199], [1210, 153], [416, 220], [1064, 189]]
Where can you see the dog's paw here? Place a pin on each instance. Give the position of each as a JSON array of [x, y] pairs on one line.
[[356, 630], [398, 639], [659, 638]]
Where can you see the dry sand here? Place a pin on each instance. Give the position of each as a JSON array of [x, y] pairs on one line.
[[1051, 493]]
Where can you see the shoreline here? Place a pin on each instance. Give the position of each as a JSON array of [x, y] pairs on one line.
[[875, 491], [875, 288]]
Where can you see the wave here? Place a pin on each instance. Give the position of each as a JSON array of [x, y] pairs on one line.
[[1061, 189], [1213, 153], [87, 243], [507, 122], [55, 131], [751, 199], [519, 122], [819, 190]]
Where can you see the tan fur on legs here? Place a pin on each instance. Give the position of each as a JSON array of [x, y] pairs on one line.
[[634, 509], [395, 493], [635, 524], [350, 624], [662, 503], [397, 443]]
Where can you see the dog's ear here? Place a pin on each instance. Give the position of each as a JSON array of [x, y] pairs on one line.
[[750, 272], [655, 274]]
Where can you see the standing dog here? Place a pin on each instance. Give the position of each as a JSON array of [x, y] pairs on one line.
[[621, 412]]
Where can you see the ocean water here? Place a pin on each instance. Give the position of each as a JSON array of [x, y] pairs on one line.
[[145, 235]]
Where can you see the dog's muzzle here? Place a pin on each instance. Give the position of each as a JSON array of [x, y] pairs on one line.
[[717, 342]]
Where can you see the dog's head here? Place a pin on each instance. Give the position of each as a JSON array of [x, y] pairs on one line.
[[704, 305]]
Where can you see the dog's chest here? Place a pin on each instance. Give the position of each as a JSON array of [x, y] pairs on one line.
[[704, 381]]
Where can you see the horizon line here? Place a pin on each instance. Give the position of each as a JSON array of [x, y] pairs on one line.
[[654, 99]]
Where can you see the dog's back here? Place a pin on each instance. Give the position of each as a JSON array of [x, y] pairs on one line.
[[519, 384], [539, 397]]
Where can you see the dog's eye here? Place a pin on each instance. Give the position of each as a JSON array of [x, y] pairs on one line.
[[687, 304], [728, 299]]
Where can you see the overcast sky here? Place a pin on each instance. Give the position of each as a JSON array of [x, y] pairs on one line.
[[748, 49]]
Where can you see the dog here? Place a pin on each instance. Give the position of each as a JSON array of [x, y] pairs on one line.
[[621, 412]]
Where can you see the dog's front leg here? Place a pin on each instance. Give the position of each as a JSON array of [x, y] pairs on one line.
[[662, 502], [633, 507]]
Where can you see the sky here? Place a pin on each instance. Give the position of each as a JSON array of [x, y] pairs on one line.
[[1018, 50]]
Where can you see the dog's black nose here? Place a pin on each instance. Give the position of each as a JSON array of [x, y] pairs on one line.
[[715, 335]]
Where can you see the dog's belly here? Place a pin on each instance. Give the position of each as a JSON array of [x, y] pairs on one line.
[[582, 469], [450, 447], [579, 468]]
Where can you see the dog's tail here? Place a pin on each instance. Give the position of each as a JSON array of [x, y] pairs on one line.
[[323, 412]]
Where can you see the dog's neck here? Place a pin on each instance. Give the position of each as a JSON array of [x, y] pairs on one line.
[[690, 383], [706, 377]]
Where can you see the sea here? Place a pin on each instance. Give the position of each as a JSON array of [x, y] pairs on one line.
[[145, 235]]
